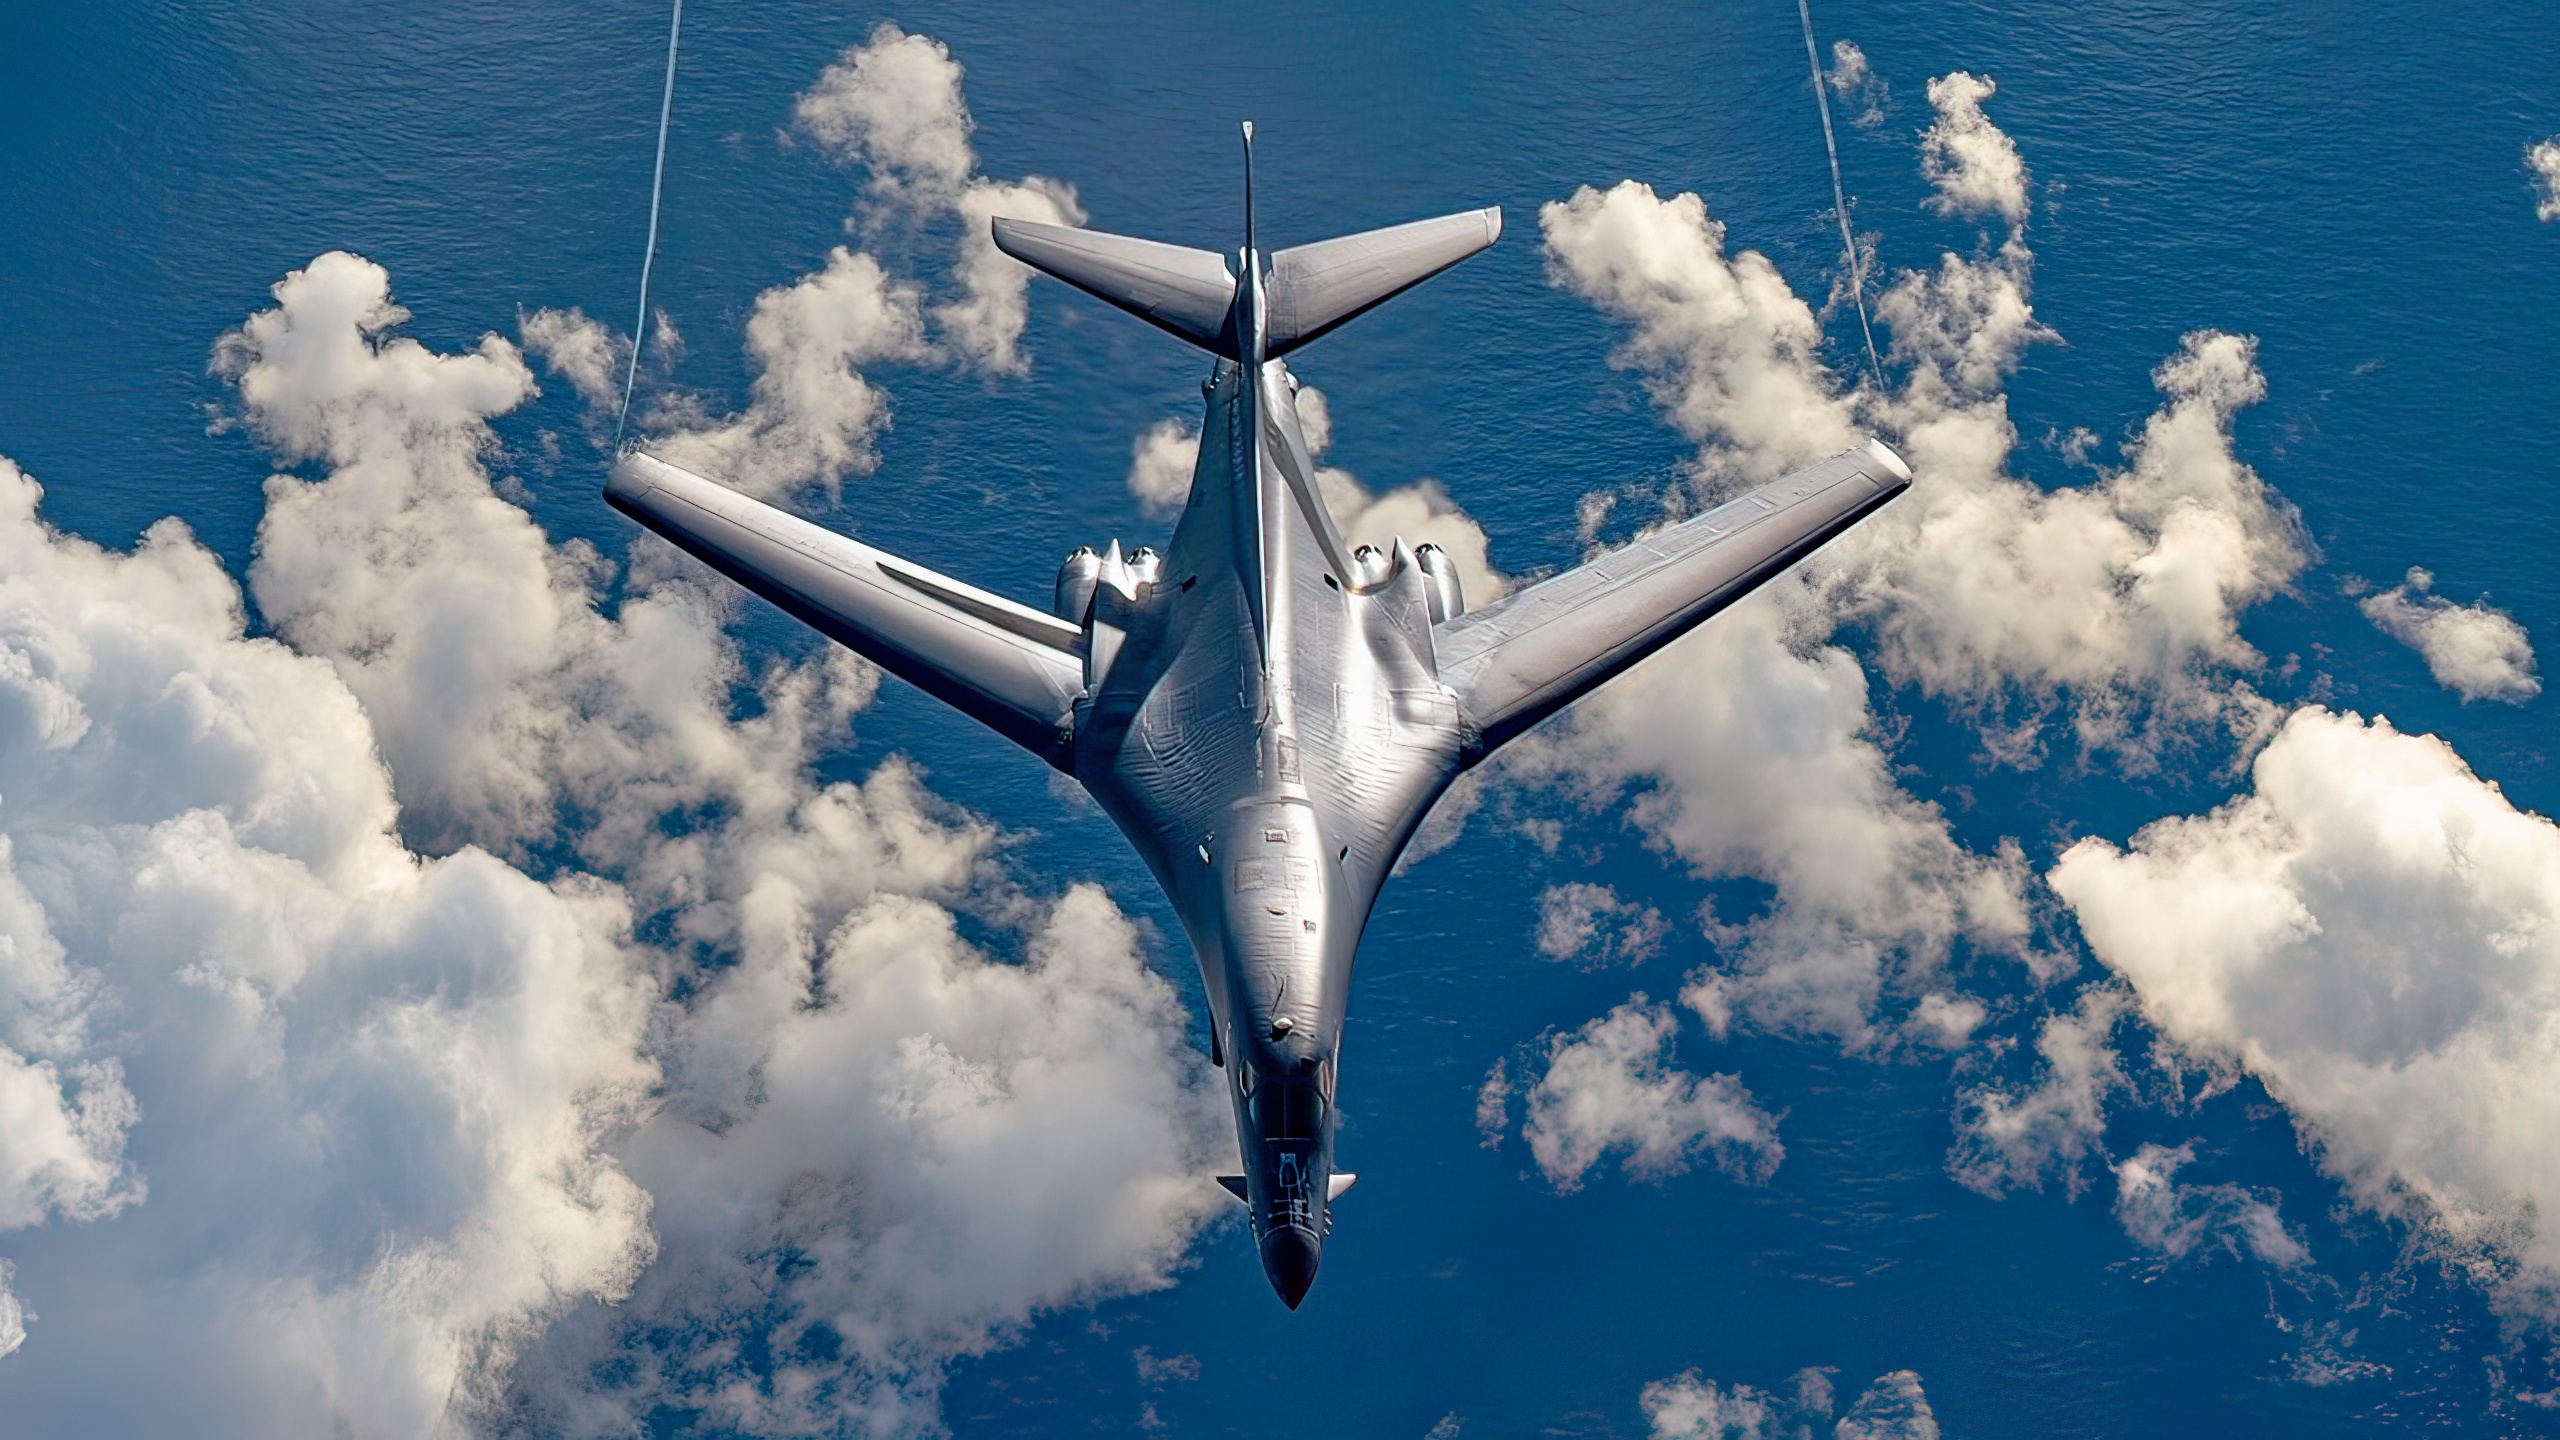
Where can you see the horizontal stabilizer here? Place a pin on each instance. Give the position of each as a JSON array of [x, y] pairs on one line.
[[1520, 660], [1341, 1182], [1017, 669], [1235, 1186], [1173, 287], [1315, 288]]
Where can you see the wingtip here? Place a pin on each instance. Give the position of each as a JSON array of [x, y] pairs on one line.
[[1890, 462], [633, 475]]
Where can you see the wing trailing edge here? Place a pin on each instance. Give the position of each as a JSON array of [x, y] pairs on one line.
[[1014, 668], [1521, 660]]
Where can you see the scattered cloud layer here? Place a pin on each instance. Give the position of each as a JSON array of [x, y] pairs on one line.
[[2010, 1139], [395, 1096], [2542, 162], [1857, 83], [1686, 1407], [1973, 163], [581, 350], [894, 106], [2112, 609], [1609, 1088], [1589, 924], [2369, 931], [2175, 1221], [2477, 652]]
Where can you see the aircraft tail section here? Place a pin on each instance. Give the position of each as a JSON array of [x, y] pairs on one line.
[[1316, 288], [1185, 292], [1307, 292]]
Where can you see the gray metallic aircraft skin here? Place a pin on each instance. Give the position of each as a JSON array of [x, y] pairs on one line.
[[1266, 712]]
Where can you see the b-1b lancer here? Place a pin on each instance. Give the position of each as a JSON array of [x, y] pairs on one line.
[[1266, 710]]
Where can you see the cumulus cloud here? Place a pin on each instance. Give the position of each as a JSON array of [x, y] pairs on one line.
[[375, 1134], [13, 1316], [1757, 759], [2542, 161], [2476, 652], [1973, 163], [2173, 1220], [812, 415], [2008, 1139], [2370, 932], [1856, 82], [1160, 466], [369, 1094], [583, 351], [2112, 607], [894, 105], [1590, 924], [1730, 353], [1686, 1407], [938, 1147], [1608, 1088]]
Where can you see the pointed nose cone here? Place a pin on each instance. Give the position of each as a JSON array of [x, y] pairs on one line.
[[1289, 1256]]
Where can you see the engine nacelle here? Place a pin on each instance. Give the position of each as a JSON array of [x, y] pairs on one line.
[[1076, 580], [1369, 566], [1146, 567], [1441, 591]]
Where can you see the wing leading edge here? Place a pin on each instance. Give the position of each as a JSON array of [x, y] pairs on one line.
[[1017, 669], [1519, 661]]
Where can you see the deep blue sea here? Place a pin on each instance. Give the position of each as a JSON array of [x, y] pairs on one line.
[[2342, 181]]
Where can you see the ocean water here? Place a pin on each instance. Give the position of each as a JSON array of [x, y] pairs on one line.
[[2342, 182]]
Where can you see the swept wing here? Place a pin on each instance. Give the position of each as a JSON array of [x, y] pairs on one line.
[[1015, 668], [1519, 661]]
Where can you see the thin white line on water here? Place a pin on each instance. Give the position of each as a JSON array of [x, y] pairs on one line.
[[657, 183], [1839, 197]]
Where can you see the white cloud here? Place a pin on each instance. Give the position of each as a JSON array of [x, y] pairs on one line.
[[369, 1094], [2476, 652], [2006, 1140], [583, 351], [1590, 924], [13, 1316], [1160, 466], [1893, 1408], [1686, 1407], [894, 105], [1607, 1089], [939, 1147], [2172, 1220], [1758, 761], [2374, 933], [2114, 605], [2542, 159], [1854, 80], [403, 1121], [1730, 352], [1974, 164], [812, 416], [1493, 1104]]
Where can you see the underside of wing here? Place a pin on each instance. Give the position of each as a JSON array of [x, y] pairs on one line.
[[1517, 662], [1017, 669]]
